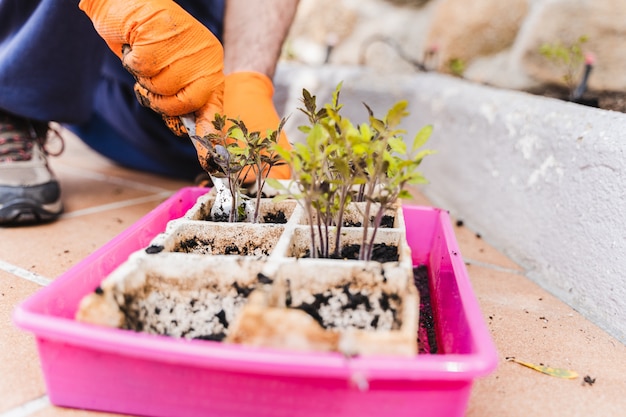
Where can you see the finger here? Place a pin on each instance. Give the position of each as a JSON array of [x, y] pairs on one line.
[[154, 51], [173, 79], [150, 59], [187, 100], [161, 38]]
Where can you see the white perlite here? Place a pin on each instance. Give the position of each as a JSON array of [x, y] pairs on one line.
[[197, 314], [344, 308]]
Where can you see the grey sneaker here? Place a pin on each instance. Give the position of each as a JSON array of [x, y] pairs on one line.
[[29, 191]]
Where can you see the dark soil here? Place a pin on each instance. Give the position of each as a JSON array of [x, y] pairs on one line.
[[381, 253], [589, 380], [605, 100], [277, 217], [152, 249], [386, 222], [220, 219], [188, 245], [426, 336], [197, 245]]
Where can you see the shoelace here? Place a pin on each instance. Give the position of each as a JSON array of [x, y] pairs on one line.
[[17, 140]]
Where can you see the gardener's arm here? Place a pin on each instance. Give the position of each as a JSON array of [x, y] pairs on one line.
[[254, 32]]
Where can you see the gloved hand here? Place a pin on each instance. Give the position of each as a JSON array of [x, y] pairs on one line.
[[177, 61], [248, 97]]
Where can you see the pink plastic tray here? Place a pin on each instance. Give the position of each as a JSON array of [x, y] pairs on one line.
[[121, 371]]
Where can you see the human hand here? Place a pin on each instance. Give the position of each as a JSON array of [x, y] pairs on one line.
[[248, 97], [177, 61]]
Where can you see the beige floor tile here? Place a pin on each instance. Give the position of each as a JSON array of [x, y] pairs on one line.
[[52, 249], [20, 371], [79, 159], [119, 175], [476, 250], [531, 325], [80, 193]]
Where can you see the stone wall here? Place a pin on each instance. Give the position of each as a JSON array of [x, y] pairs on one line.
[[495, 42]]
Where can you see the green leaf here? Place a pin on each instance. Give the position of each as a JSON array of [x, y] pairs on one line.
[[396, 114], [397, 145], [422, 137], [377, 125], [405, 195], [280, 197], [274, 183], [236, 133], [321, 114], [281, 124], [282, 152], [417, 179], [239, 124], [335, 101], [219, 122], [422, 154], [556, 372], [308, 100], [237, 151], [343, 167], [360, 149]]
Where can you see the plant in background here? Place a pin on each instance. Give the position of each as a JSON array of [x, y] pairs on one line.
[[246, 153], [568, 59], [457, 67], [341, 162]]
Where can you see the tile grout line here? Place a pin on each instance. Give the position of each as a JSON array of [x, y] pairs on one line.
[[117, 205], [111, 179], [25, 274], [494, 267], [28, 408]]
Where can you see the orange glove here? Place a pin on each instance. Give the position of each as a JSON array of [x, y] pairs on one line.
[[176, 60], [248, 97]]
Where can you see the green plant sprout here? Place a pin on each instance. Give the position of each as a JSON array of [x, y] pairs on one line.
[[340, 163], [246, 153], [457, 67], [568, 59], [388, 168]]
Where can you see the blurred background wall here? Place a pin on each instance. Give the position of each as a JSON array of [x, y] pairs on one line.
[[489, 41]]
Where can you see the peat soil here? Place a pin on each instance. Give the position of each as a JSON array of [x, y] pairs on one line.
[[426, 335], [605, 100]]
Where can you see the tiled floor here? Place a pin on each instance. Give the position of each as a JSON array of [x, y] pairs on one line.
[[527, 323]]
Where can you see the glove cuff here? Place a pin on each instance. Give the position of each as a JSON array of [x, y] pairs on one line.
[[248, 84]]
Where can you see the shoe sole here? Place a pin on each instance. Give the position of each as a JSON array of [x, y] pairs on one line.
[[23, 212]]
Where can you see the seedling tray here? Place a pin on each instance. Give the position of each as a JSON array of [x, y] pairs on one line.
[[121, 371]]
